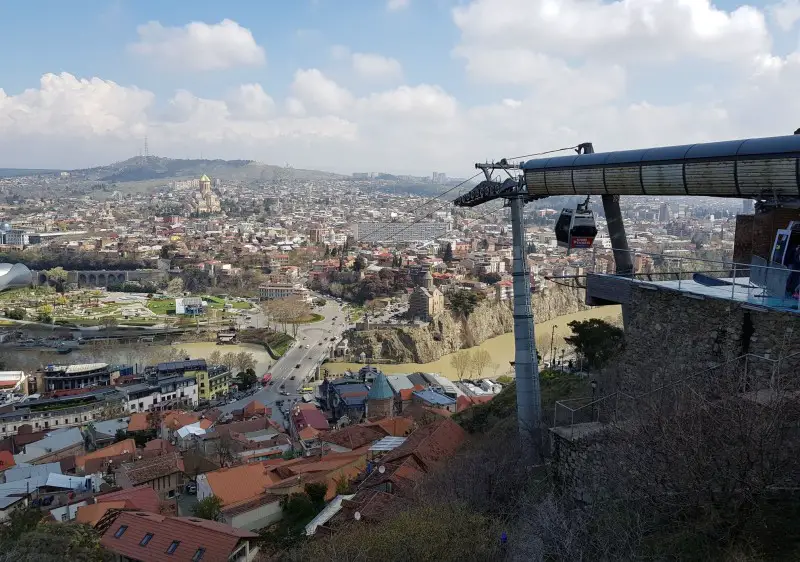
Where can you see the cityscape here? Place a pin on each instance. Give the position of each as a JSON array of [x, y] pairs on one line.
[[320, 324]]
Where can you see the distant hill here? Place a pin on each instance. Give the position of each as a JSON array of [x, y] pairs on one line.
[[19, 172], [155, 168]]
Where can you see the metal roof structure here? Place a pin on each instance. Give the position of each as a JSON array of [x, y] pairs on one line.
[[387, 444], [757, 168]]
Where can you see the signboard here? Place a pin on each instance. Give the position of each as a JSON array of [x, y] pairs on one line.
[[581, 242]]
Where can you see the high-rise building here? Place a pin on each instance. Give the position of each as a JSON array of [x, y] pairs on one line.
[[663, 212]]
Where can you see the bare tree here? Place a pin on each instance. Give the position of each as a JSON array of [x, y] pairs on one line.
[[461, 362], [175, 286], [215, 358], [481, 359], [244, 361], [229, 360], [225, 449]]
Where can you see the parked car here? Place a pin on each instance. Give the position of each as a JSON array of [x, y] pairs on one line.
[[191, 488]]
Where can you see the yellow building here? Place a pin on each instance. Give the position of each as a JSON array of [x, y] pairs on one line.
[[213, 383]]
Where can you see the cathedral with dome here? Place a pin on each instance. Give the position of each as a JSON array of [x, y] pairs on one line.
[[205, 201]]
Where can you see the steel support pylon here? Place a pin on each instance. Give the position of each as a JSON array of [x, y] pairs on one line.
[[526, 366]]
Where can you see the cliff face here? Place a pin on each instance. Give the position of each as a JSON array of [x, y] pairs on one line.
[[448, 334]]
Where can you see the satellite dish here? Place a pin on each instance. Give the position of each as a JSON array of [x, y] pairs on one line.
[[381, 469], [357, 516]]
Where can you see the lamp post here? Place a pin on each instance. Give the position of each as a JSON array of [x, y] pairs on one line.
[[552, 345], [594, 391]]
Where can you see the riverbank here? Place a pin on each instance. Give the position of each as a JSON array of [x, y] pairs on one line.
[[500, 348]]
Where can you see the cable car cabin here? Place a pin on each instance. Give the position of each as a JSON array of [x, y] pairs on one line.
[[575, 228]]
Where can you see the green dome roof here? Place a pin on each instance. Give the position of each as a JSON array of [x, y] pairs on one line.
[[380, 388]]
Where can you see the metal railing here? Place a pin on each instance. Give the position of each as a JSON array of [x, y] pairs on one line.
[[753, 375], [757, 283]]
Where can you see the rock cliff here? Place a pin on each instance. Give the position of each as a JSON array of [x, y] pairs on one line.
[[448, 334]]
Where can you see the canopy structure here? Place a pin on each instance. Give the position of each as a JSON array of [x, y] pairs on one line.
[[765, 168]]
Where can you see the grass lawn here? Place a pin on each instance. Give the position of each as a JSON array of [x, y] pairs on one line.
[[310, 319], [162, 306], [280, 343]]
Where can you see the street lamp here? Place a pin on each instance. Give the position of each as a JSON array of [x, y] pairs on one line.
[[593, 384], [552, 345]]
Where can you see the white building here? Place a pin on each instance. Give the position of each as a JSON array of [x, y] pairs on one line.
[[272, 291], [166, 394]]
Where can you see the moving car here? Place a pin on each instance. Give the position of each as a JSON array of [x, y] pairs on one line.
[[297, 366], [292, 377]]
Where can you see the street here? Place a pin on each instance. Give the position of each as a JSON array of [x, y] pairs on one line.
[[313, 344]]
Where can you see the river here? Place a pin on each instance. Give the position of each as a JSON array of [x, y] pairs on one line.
[[500, 348]]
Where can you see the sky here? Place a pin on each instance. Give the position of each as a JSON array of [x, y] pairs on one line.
[[397, 86]]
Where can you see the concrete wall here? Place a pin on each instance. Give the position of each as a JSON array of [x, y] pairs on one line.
[[669, 335], [256, 518]]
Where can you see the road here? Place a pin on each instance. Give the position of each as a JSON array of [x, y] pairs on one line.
[[312, 346]]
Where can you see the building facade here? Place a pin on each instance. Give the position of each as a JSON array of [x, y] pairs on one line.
[[395, 232]]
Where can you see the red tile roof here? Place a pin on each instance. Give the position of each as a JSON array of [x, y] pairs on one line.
[[125, 447], [217, 539], [141, 497], [145, 470]]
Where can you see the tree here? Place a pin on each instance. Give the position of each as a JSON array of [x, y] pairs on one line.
[[461, 362], [463, 302], [481, 359], [175, 286], [44, 314], [447, 256], [317, 492], [120, 435], [244, 361], [16, 313], [215, 358], [359, 264], [55, 542], [109, 322], [208, 508], [596, 340], [58, 277], [247, 378], [229, 360], [225, 449], [154, 419], [112, 410]]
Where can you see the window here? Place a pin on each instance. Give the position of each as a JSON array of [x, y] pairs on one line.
[[120, 531], [198, 556], [173, 547], [146, 539]]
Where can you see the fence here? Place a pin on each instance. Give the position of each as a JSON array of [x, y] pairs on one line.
[[757, 283]]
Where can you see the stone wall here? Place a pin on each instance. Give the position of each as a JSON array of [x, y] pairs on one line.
[[447, 333], [669, 335]]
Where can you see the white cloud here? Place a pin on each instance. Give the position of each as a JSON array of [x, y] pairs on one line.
[[317, 91], [198, 46], [640, 73], [653, 30], [376, 67], [786, 13], [251, 101], [394, 5]]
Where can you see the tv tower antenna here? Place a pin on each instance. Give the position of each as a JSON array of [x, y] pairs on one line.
[[146, 150]]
